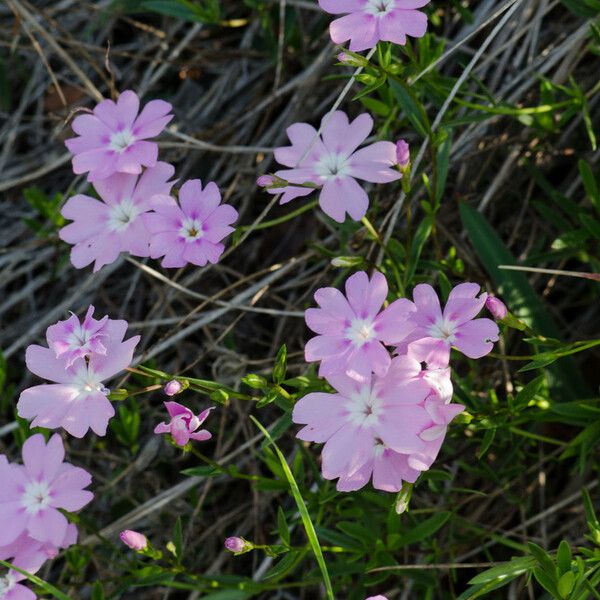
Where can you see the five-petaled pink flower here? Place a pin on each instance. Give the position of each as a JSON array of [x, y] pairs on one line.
[[190, 232], [367, 22], [77, 401], [184, 425], [352, 330], [331, 162], [456, 325], [101, 229], [72, 339], [32, 494], [387, 428], [113, 139]]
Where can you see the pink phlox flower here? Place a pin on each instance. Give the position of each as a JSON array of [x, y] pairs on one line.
[[32, 494], [77, 400], [332, 162], [351, 328], [73, 339], [104, 228], [456, 326], [368, 429], [191, 231], [367, 22], [113, 139], [184, 424], [428, 361]]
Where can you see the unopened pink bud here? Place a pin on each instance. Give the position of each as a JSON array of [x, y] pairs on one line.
[[496, 307], [343, 57], [265, 181], [402, 153], [235, 544], [133, 539], [173, 387], [377, 598]]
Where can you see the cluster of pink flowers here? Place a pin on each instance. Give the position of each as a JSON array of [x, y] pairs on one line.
[[135, 212], [32, 528], [80, 357], [388, 415]]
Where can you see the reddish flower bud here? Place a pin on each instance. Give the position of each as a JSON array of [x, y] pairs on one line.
[[402, 153], [235, 544], [172, 388], [265, 181], [496, 307]]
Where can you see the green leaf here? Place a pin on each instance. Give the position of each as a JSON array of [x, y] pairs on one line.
[[589, 183], [184, 9], [421, 236], [98, 591], [424, 530], [517, 566], [529, 391], [563, 557], [285, 566], [565, 584], [280, 368], [412, 108], [546, 581], [443, 163], [178, 540], [591, 224], [304, 514], [282, 527], [543, 558], [488, 438], [47, 587]]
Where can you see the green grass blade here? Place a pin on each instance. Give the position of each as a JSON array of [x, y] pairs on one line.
[[47, 587], [306, 520]]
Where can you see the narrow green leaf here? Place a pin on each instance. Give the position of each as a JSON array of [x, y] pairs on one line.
[[517, 566], [282, 527], [589, 183], [529, 391], [563, 557], [421, 236], [565, 584], [544, 559], [488, 438], [425, 529], [305, 516]]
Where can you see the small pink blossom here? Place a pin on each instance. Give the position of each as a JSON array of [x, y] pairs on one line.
[[133, 539], [352, 330], [172, 388], [367, 22], [332, 163], [265, 181], [387, 429], [402, 153], [235, 544], [77, 400], [456, 325], [113, 139], [191, 231], [72, 339], [32, 493], [184, 425], [104, 228], [496, 307]]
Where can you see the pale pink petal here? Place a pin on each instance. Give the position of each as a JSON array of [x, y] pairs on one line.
[[321, 322], [401, 427], [427, 303], [476, 338], [113, 189], [317, 406], [152, 182], [153, 119], [321, 346], [13, 521], [333, 302], [360, 28], [48, 525], [356, 480], [411, 22], [337, 7], [117, 359], [43, 460], [394, 324], [44, 363], [342, 195], [107, 112], [128, 106]]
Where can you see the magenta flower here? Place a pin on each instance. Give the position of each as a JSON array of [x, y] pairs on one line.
[[192, 231], [496, 307], [184, 424], [352, 330], [77, 401], [136, 541], [72, 339], [31, 494], [113, 138], [102, 229], [456, 325], [332, 163], [371, 21]]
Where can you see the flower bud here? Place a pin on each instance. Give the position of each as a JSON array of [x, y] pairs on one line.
[[380, 597], [496, 307], [402, 153], [136, 541], [235, 544], [265, 181], [343, 57], [403, 498], [172, 388]]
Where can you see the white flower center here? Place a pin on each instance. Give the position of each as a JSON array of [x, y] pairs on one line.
[[331, 166], [121, 140], [443, 329], [191, 230], [7, 583], [380, 8], [360, 332], [36, 497], [87, 382], [364, 408], [122, 215]]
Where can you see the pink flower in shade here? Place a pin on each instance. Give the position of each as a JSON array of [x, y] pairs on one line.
[[351, 328], [192, 231], [456, 325], [369, 429], [331, 162], [72, 339], [77, 401], [31, 494], [370, 21], [113, 138], [133, 539], [184, 424], [496, 307], [101, 229]]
